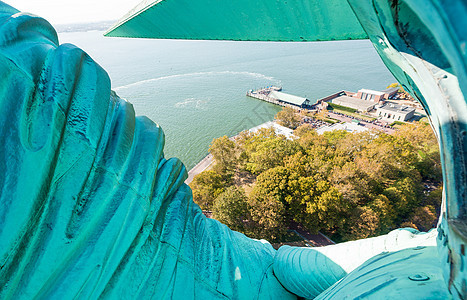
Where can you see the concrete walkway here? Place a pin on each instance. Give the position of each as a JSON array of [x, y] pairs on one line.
[[207, 161], [200, 167]]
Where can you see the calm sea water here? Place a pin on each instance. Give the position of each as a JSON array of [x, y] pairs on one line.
[[195, 90]]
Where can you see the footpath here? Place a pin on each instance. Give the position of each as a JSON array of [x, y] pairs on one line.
[[200, 167], [207, 161]]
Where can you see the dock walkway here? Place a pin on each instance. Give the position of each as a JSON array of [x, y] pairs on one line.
[[263, 94]]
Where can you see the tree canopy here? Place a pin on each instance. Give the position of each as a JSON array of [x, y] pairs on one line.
[[348, 185], [287, 117]]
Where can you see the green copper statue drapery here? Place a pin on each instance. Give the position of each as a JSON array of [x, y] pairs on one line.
[[89, 206], [91, 209]]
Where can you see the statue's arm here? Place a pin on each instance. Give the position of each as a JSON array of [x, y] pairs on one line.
[[89, 206]]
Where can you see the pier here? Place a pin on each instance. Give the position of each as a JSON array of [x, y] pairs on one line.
[[264, 94], [273, 94]]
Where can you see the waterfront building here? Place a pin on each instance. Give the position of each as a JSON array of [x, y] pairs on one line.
[[370, 95], [363, 101], [290, 100], [376, 96], [394, 112], [390, 92], [354, 102]]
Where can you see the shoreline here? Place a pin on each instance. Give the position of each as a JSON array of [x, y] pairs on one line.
[[206, 162], [199, 167]]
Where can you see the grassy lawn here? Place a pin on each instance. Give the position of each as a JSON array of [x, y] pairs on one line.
[[397, 124], [325, 118], [330, 120], [349, 111], [341, 108]]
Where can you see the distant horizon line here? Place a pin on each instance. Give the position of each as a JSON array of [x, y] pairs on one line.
[[84, 26]]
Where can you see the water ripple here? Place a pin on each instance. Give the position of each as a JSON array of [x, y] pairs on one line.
[[142, 82]]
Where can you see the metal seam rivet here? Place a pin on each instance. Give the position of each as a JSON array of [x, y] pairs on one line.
[[419, 277]]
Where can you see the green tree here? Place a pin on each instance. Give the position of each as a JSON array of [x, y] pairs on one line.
[[435, 197], [307, 136], [405, 195], [231, 208], [351, 183], [425, 147], [347, 185], [288, 117], [247, 143], [335, 136], [386, 213], [386, 159], [267, 204], [327, 209], [271, 153], [206, 186], [424, 217], [364, 223], [314, 203], [304, 130], [223, 151], [299, 164]]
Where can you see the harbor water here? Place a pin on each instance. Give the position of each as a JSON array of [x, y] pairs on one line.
[[196, 90]]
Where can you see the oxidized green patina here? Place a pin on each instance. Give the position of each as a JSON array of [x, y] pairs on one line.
[[89, 206], [241, 20], [91, 209], [423, 44]]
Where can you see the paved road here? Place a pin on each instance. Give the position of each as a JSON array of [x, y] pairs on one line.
[[200, 167]]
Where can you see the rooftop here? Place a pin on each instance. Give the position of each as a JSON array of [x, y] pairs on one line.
[[349, 127], [279, 129], [396, 108], [352, 102], [287, 98], [390, 90], [371, 92]]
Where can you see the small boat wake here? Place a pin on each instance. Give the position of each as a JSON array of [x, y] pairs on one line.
[[192, 103], [146, 81]]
